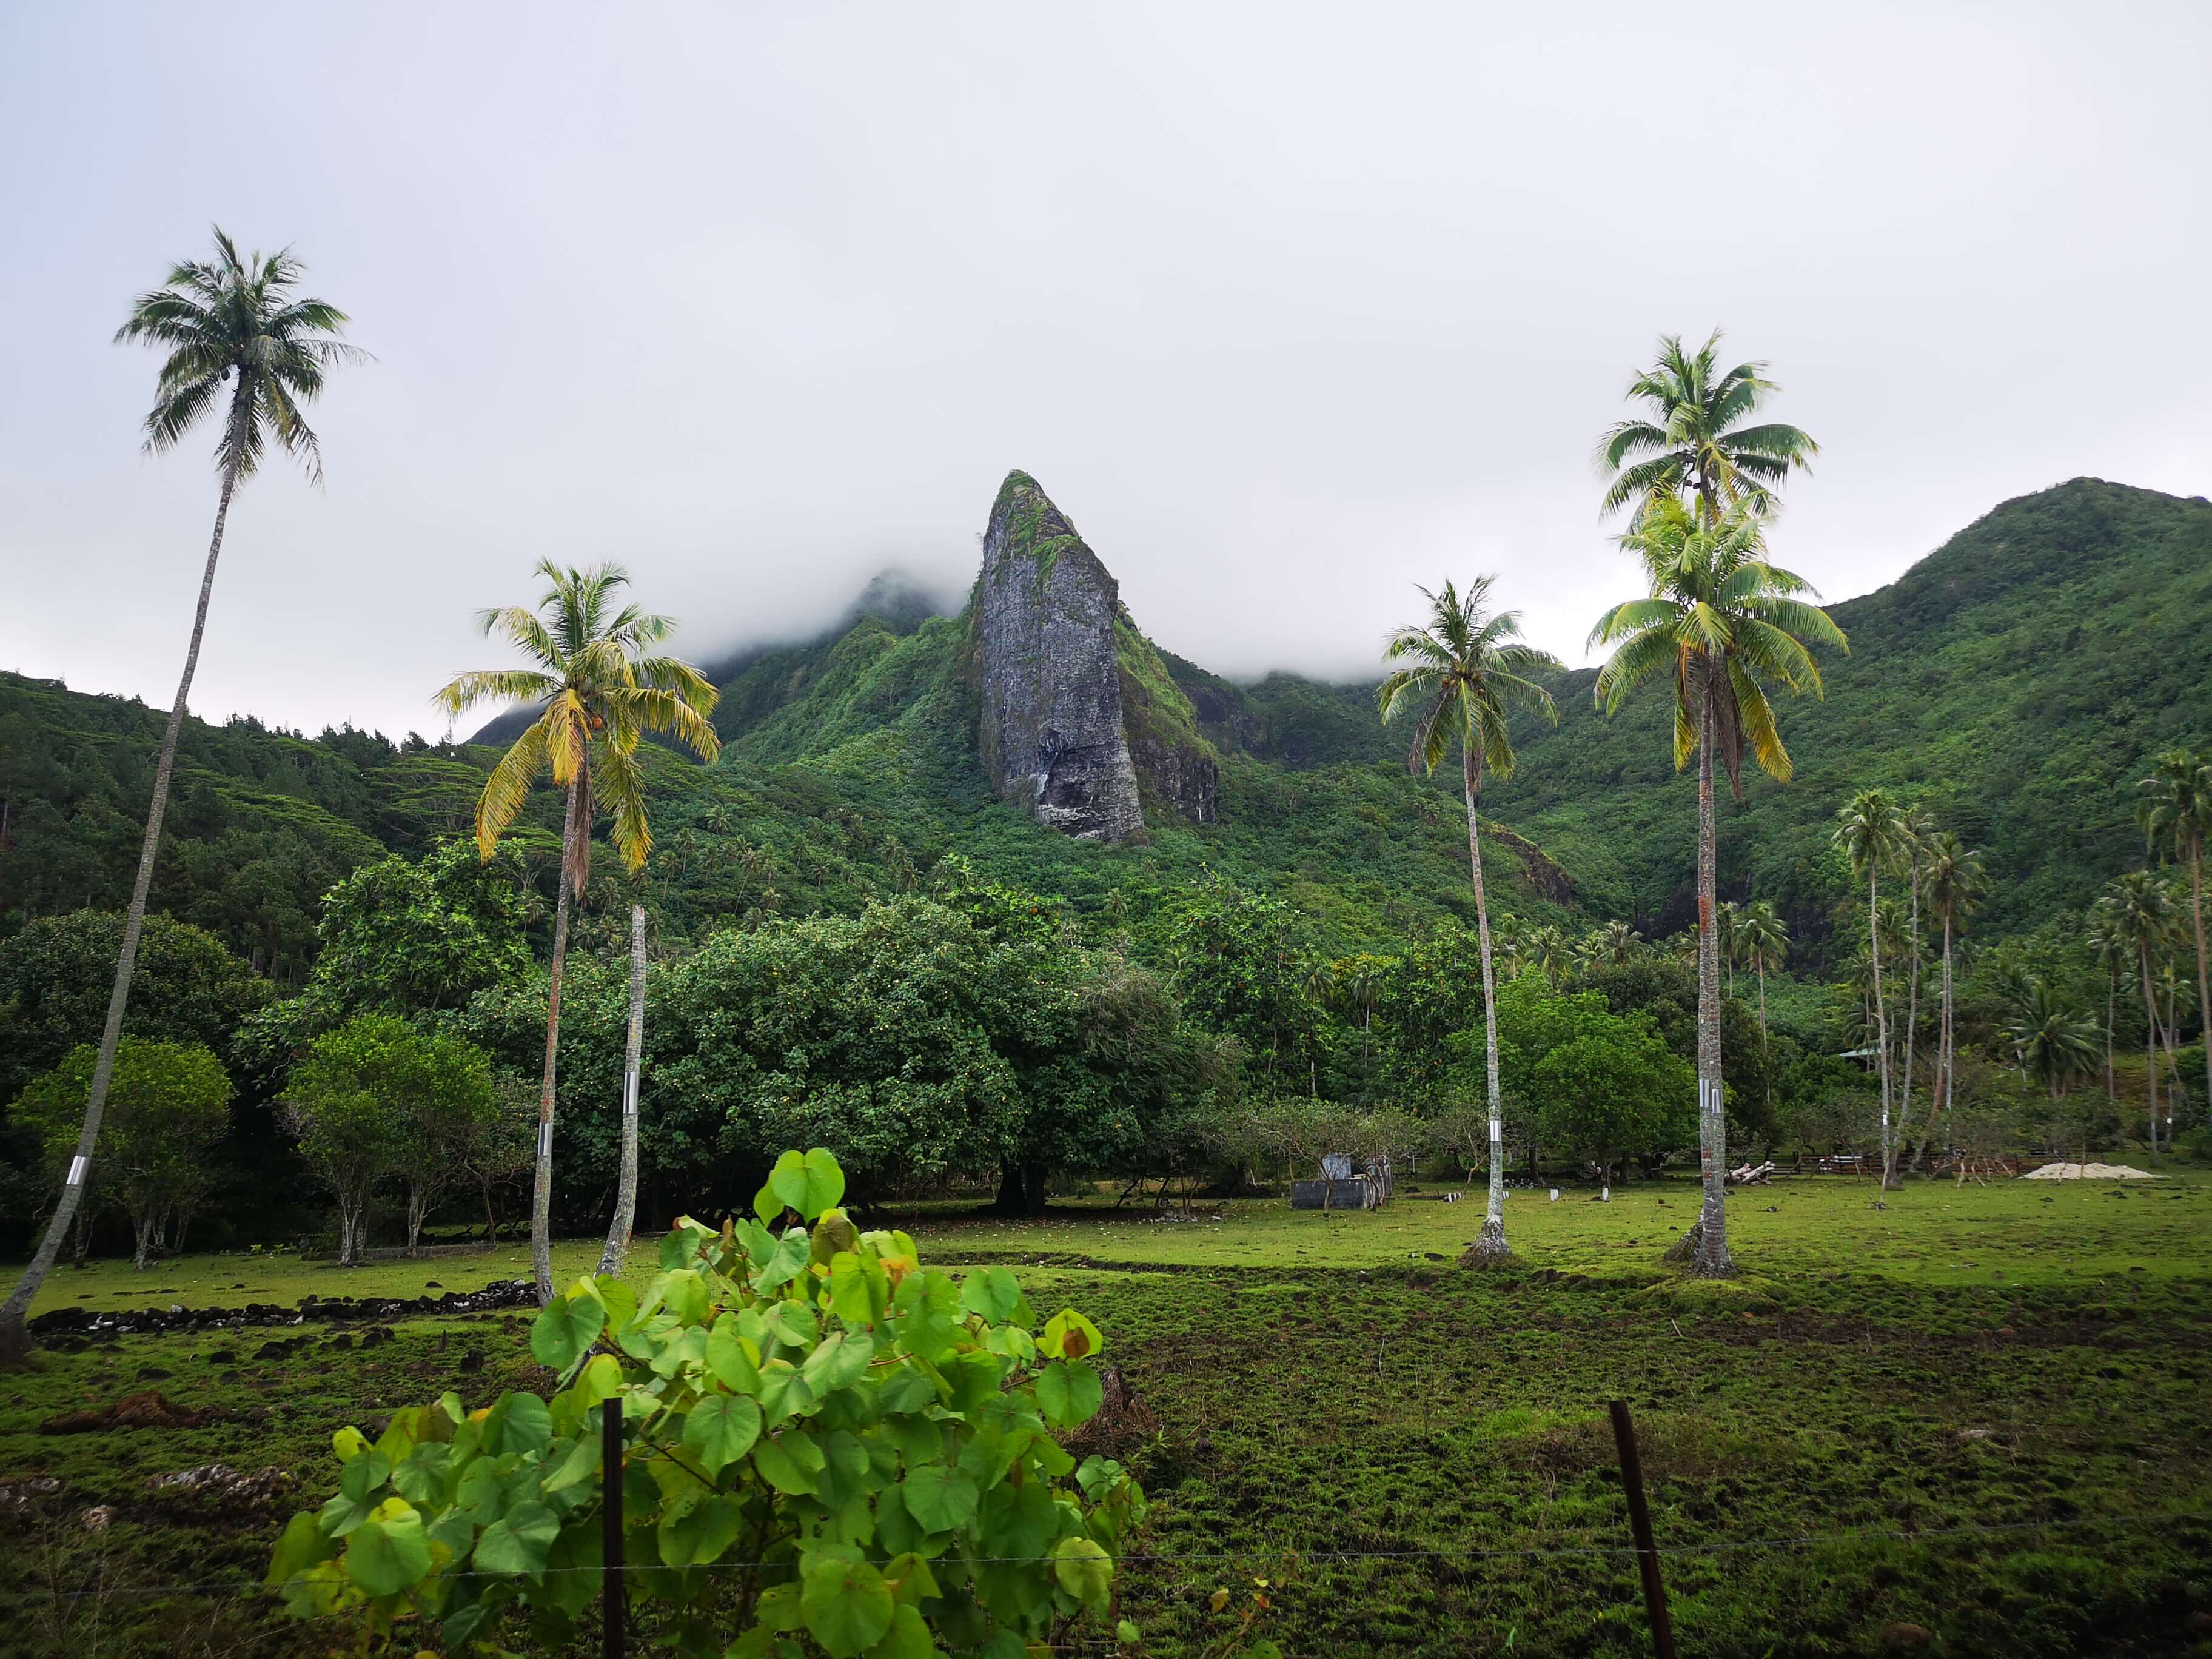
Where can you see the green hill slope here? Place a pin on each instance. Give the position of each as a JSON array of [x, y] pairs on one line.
[[2018, 680]]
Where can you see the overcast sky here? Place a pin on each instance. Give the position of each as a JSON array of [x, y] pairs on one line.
[[1289, 309]]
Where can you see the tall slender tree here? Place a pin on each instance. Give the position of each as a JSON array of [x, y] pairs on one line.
[[1870, 833], [242, 342], [1915, 827], [2107, 938], [625, 1219], [1762, 939], [1690, 442], [2145, 913], [601, 689], [1951, 876], [1459, 671], [2177, 820], [1720, 619]]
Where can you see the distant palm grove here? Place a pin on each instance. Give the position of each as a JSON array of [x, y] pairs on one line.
[[1913, 881]]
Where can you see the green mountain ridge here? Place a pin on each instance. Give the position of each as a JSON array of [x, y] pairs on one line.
[[2018, 680]]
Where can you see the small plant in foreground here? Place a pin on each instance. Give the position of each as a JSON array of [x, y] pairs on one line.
[[827, 1449]]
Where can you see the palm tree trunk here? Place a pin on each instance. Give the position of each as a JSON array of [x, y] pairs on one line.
[[2150, 1048], [1711, 1250], [1939, 1091], [2172, 1059], [2112, 1018], [619, 1230], [1880, 1014], [2203, 986], [1912, 1008], [1490, 1247], [14, 1339], [541, 1192]]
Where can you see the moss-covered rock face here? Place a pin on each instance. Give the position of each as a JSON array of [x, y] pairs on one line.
[[1051, 731]]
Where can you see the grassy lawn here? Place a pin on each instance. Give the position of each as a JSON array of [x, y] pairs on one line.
[[1982, 1410]]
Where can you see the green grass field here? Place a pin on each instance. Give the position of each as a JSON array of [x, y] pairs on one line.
[[1981, 1410]]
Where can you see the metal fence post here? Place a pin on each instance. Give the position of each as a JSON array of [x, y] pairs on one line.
[[611, 1517], [1639, 1521]]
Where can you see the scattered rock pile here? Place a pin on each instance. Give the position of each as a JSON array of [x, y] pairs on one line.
[[98, 1323]]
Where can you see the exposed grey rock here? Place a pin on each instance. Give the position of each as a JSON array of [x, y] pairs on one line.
[[1052, 737]]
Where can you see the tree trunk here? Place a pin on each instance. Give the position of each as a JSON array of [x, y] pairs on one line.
[[420, 1197], [1881, 1017], [15, 1337], [1911, 1007], [541, 1192], [1489, 1248], [142, 1228], [1711, 1249], [2150, 1049], [1021, 1187], [625, 1217], [1939, 1090], [349, 1209], [2112, 1020], [2203, 988]]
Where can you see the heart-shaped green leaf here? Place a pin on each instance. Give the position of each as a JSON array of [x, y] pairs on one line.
[[733, 1367], [1084, 1570], [993, 1292], [847, 1605], [840, 1360], [565, 1330], [388, 1551], [720, 1429], [940, 1497], [519, 1541], [1070, 1393]]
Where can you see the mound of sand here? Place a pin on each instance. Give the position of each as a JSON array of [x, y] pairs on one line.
[[2090, 1172]]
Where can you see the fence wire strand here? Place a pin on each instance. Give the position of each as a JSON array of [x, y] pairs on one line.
[[1301, 1558]]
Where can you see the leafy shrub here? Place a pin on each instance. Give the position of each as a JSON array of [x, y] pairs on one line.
[[827, 1449]]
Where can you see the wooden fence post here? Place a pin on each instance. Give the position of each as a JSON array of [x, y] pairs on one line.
[[1639, 1523]]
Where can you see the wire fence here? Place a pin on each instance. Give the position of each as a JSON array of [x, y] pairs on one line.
[[1290, 1555]]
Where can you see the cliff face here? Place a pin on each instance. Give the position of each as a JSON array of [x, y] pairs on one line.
[[1078, 708], [1052, 737]]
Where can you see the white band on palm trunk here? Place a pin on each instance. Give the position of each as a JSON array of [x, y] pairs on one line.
[[79, 1166], [629, 1096], [544, 1140]]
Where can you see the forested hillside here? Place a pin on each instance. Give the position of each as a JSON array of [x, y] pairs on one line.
[[2016, 680]]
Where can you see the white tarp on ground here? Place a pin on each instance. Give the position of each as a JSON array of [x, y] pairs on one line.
[[2090, 1172]]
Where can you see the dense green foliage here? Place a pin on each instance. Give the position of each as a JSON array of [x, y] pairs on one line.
[[167, 1105], [376, 1101], [827, 1447]]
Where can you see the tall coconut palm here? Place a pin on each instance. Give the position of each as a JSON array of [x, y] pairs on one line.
[[2145, 912], [1762, 941], [1951, 876], [1462, 669], [600, 690], [1870, 833], [2177, 819], [1720, 619], [1690, 442], [236, 324]]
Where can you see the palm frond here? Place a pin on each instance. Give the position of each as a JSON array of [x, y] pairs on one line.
[[508, 787]]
